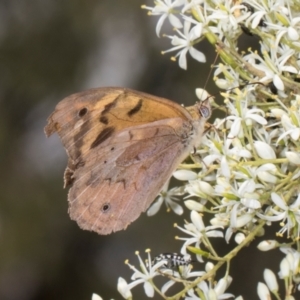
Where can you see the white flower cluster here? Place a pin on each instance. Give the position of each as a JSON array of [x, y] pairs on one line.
[[246, 175], [148, 271]]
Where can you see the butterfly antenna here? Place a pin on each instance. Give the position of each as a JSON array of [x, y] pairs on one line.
[[211, 69], [209, 76]]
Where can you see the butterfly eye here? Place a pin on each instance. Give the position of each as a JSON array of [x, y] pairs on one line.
[[105, 207], [205, 111], [82, 112]]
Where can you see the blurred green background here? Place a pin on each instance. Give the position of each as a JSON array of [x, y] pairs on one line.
[[48, 50]]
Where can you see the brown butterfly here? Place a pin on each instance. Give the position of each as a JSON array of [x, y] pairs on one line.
[[123, 145]]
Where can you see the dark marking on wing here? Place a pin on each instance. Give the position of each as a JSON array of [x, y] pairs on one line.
[[109, 107], [102, 136], [105, 207], [137, 158], [136, 108], [122, 181], [82, 112], [103, 120]]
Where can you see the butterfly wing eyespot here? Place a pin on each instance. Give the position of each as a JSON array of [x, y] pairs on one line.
[[123, 146], [105, 208], [82, 112]]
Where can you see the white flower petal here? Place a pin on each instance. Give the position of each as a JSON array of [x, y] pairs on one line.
[[199, 56], [175, 21], [215, 233], [248, 186], [251, 203], [202, 94], [256, 20], [123, 288], [199, 188], [195, 32], [267, 245], [293, 157], [194, 205], [177, 208], [289, 69], [178, 3], [272, 218], [239, 237], [96, 297], [225, 170], [228, 234], [264, 150], [235, 128], [222, 83], [278, 83], [284, 268], [154, 208], [295, 134], [185, 175], [160, 23], [263, 291], [148, 288], [212, 295], [182, 59], [278, 113], [279, 201], [219, 222], [167, 285], [243, 220], [257, 118], [197, 220], [209, 266], [221, 286], [271, 280], [293, 34], [209, 159], [296, 204]]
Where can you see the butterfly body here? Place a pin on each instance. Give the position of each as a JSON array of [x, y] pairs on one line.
[[122, 146]]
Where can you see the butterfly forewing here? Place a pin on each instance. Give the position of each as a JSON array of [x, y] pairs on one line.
[[91, 116], [122, 145]]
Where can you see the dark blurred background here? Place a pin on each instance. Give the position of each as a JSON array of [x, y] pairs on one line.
[[48, 50]]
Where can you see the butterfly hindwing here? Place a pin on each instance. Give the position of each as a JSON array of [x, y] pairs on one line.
[[120, 179]]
